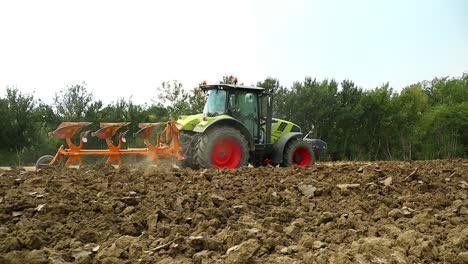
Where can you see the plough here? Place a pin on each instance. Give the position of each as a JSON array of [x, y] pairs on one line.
[[169, 148]]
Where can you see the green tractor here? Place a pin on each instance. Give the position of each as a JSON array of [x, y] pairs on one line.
[[237, 128]]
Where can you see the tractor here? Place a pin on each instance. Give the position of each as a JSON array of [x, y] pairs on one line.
[[236, 128]]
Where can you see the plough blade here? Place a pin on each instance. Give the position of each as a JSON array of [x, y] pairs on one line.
[[108, 130], [146, 129], [68, 129]]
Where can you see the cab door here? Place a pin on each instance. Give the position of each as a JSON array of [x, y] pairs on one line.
[[244, 107]]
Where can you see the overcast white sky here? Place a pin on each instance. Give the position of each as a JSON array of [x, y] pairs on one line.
[[127, 48]]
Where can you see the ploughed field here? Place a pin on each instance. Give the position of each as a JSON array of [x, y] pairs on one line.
[[356, 212]]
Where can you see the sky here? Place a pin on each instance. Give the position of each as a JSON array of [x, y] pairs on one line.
[[125, 49]]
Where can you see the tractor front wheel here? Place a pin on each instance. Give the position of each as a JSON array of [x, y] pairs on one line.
[[222, 147], [299, 153]]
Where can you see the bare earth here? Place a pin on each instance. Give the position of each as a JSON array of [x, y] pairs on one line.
[[382, 212]]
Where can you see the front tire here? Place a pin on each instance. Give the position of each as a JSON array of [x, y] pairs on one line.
[[299, 153], [222, 147]]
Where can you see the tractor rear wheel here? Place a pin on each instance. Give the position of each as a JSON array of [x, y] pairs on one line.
[[299, 153], [222, 147]]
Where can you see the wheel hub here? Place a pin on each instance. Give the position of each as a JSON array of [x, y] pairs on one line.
[[226, 153], [301, 156], [297, 158]]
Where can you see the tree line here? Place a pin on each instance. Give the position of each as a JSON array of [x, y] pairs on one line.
[[425, 120]]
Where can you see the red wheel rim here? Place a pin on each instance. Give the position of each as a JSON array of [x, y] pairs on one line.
[[301, 156], [226, 153]]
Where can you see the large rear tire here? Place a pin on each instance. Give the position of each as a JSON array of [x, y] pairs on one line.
[[299, 153], [222, 147]]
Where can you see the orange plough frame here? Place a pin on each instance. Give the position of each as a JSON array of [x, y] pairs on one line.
[[170, 148]]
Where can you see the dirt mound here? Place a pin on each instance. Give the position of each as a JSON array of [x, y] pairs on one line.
[[383, 212]]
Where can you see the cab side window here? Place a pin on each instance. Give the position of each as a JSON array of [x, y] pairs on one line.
[[244, 108]]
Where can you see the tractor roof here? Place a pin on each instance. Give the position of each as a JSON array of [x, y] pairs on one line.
[[232, 87]]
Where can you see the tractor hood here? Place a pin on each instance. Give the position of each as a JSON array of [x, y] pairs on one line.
[[196, 122], [189, 122]]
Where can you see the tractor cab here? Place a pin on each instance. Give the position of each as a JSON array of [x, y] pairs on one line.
[[242, 103]]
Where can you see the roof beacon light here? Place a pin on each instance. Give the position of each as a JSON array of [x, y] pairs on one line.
[[235, 81], [204, 82]]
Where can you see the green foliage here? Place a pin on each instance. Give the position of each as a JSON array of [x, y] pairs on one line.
[[445, 131], [375, 120], [444, 127], [447, 90], [348, 125], [228, 79], [175, 98], [179, 101], [18, 121], [426, 120], [156, 113], [271, 85], [310, 104], [408, 110], [73, 102], [45, 121], [196, 101]]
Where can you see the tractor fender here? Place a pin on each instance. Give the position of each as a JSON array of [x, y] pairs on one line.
[[278, 147], [231, 122]]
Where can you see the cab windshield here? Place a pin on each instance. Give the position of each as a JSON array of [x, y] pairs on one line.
[[215, 103]]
